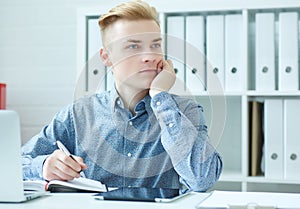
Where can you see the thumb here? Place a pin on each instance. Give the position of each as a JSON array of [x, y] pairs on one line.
[[81, 162]]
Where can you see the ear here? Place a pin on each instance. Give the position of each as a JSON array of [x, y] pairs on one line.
[[105, 58]]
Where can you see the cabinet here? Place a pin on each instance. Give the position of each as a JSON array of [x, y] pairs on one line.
[[229, 57]]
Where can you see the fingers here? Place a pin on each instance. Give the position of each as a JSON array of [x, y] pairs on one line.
[[165, 65], [165, 78], [79, 160], [170, 63], [160, 66], [60, 166]]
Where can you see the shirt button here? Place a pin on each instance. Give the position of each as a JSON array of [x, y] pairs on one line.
[[119, 102], [158, 103], [130, 123], [171, 125], [129, 154]]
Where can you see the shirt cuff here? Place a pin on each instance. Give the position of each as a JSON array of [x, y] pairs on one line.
[[37, 165], [167, 112], [163, 101]]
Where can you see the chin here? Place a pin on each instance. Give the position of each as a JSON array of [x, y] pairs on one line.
[[142, 83], [144, 87]]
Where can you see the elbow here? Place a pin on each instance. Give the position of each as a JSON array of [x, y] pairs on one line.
[[209, 176]]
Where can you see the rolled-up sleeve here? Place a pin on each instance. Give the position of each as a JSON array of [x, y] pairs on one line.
[[39, 147], [184, 136]]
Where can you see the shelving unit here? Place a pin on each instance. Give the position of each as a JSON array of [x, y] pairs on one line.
[[234, 142]]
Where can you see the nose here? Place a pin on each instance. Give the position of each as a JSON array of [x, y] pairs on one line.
[[150, 57]]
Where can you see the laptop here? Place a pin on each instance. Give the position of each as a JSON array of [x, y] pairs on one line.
[[11, 177]]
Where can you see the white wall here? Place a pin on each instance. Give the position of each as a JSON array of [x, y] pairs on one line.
[[38, 57]]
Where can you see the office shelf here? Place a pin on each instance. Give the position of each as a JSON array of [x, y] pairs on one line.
[[231, 117]]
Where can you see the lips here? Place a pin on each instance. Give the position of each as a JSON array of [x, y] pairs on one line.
[[148, 70]]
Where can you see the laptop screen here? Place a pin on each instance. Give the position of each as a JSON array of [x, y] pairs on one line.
[[11, 179]]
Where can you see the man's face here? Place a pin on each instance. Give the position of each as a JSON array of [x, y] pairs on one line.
[[135, 52]]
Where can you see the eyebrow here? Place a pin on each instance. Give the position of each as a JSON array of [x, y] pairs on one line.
[[139, 41], [157, 39]]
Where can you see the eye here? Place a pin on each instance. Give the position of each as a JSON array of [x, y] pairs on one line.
[[156, 45], [132, 46]]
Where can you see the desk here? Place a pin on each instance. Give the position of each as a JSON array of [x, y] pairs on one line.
[[82, 201], [217, 199]]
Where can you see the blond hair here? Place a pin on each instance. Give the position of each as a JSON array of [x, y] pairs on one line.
[[132, 10]]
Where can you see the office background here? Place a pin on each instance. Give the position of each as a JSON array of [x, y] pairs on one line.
[[38, 57], [39, 63]]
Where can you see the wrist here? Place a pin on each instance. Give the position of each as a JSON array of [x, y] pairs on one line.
[[153, 92]]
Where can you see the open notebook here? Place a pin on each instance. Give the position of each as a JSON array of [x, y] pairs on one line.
[[75, 185], [11, 178]]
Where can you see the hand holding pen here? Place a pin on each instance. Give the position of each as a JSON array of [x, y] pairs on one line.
[[66, 151], [61, 165]]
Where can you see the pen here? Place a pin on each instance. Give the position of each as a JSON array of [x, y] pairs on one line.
[[66, 151]]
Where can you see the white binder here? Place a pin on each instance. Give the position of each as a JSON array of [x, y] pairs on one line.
[[292, 138], [288, 75], [234, 71], [110, 82], [195, 57], [265, 52], [215, 52], [96, 69], [175, 50], [273, 145]]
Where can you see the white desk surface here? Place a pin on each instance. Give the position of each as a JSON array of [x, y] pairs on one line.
[[82, 201], [217, 199]]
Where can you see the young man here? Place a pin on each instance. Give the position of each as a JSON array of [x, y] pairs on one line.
[[137, 134]]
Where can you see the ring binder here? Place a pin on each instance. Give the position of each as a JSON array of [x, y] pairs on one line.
[[265, 51]]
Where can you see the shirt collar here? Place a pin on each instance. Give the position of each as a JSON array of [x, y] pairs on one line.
[[116, 99], [144, 104]]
